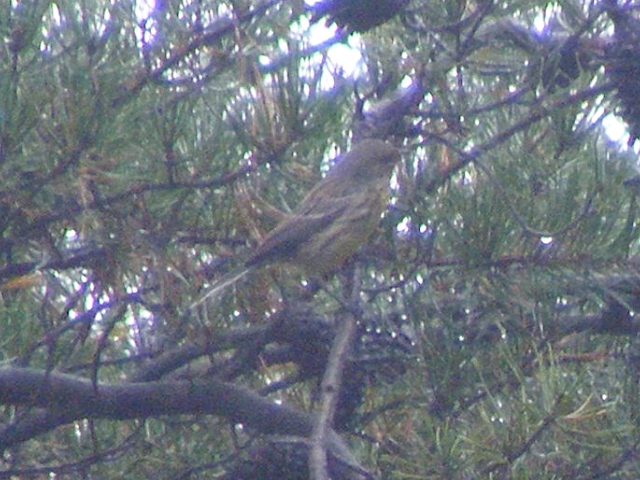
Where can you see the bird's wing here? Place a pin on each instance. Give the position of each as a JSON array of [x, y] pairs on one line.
[[284, 240]]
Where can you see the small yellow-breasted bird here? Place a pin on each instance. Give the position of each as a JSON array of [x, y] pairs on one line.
[[333, 221]]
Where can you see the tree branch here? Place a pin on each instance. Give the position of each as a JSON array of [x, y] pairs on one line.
[[69, 398], [330, 388]]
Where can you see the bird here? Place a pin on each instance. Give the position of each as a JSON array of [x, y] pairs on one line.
[[331, 222]]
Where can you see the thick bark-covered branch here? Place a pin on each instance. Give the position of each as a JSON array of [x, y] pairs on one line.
[[73, 398], [67, 398]]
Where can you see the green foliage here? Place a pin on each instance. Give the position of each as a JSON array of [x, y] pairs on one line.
[[145, 150]]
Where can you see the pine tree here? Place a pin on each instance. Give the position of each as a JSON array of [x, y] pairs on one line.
[[486, 331]]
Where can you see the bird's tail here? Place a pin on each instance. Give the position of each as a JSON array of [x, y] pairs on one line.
[[217, 289]]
